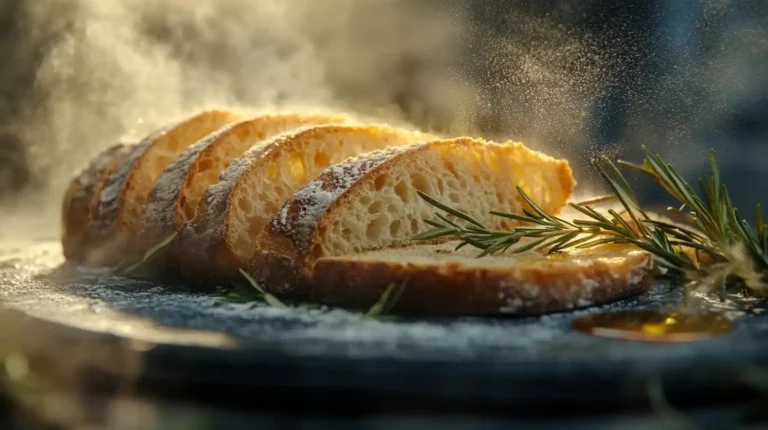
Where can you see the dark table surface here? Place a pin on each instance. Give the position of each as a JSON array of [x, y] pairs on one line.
[[111, 343]]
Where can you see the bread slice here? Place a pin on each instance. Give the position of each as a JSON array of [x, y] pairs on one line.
[[79, 200], [254, 187], [122, 201], [370, 202], [178, 190], [439, 280]]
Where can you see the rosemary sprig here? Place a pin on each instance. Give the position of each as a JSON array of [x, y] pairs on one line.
[[126, 268], [720, 250], [387, 300], [268, 298]]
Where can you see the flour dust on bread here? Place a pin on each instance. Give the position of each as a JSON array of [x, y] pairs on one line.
[[371, 202], [178, 190], [121, 205], [442, 281], [254, 187], [79, 200]]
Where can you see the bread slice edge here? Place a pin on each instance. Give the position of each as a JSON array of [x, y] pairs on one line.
[[455, 287]]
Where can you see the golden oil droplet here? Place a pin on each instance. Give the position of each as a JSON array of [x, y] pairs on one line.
[[652, 326]]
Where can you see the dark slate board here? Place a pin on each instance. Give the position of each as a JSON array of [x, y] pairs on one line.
[[165, 337]]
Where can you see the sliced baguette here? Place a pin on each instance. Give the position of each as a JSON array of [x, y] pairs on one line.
[[370, 202], [252, 189], [121, 204], [179, 188], [79, 201], [439, 280]]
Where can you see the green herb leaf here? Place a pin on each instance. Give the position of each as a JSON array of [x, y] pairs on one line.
[[124, 268], [388, 299], [268, 298], [455, 212]]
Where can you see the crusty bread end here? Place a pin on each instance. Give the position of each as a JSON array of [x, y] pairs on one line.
[[79, 200], [122, 201]]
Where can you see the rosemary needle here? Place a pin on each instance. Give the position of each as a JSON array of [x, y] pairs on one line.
[[124, 268], [268, 298], [388, 299]]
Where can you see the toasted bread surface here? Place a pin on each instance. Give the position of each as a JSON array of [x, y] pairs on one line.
[[122, 201], [442, 281], [254, 187], [370, 202], [179, 188], [79, 200]]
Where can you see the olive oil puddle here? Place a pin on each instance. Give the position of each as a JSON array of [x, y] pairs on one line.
[[654, 326]]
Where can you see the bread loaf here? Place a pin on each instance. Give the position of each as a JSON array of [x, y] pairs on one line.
[[80, 199]]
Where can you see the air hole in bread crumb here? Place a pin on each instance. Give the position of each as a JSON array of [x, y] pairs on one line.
[[375, 207], [420, 182], [449, 166], [380, 182], [403, 192], [244, 205], [376, 227], [394, 228], [415, 226]]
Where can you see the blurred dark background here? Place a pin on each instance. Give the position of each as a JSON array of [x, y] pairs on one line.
[[576, 78]]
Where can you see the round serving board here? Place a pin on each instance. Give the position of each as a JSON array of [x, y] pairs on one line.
[[64, 320]]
